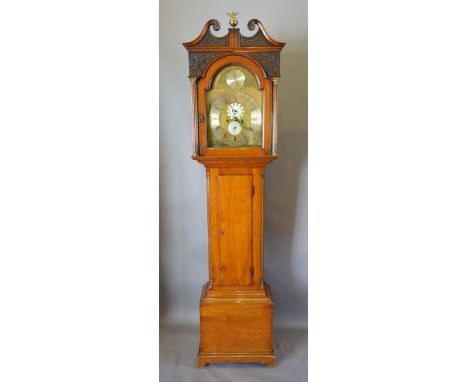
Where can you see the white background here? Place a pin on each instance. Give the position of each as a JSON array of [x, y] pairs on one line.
[[388, 183], [388, 191], [78, 191]]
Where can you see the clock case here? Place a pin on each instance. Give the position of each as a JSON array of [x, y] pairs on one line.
[[236, 307]]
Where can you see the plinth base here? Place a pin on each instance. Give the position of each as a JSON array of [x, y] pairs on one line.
[[206, 359], [236, 327]]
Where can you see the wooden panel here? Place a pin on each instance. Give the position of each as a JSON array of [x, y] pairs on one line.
[[236, 328], [235, 229]]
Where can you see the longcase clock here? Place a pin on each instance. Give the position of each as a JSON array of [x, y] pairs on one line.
[[234, 81]]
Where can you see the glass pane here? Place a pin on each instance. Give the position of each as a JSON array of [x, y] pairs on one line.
[[234, 108]]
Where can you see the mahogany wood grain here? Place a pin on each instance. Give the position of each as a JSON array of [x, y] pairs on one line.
[[234, 38], [241, 49], [236, 329], [235, 234], [236, 306], [235, 225], [210, 161]]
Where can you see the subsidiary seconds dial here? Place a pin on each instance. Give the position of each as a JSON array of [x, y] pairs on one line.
[[234, 127]]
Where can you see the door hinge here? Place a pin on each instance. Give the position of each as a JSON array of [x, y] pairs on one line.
[[253, 190]]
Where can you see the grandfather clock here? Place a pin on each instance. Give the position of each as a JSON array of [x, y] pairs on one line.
[[234, 82]]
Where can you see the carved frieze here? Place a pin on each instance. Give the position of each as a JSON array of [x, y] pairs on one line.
[[258, 39], [211, 40], [270, 61], [198, 61]]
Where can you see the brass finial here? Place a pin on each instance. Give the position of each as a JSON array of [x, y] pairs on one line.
[[233, 22]]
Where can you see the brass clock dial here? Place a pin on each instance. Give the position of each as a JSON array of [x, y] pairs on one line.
[[234, 106], [235, 78]]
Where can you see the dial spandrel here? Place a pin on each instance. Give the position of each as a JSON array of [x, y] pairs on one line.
[[234, 106]]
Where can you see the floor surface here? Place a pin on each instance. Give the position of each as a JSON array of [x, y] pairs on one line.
[[178, 347]]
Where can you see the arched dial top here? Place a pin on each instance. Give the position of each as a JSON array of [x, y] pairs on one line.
[[234, 108]]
